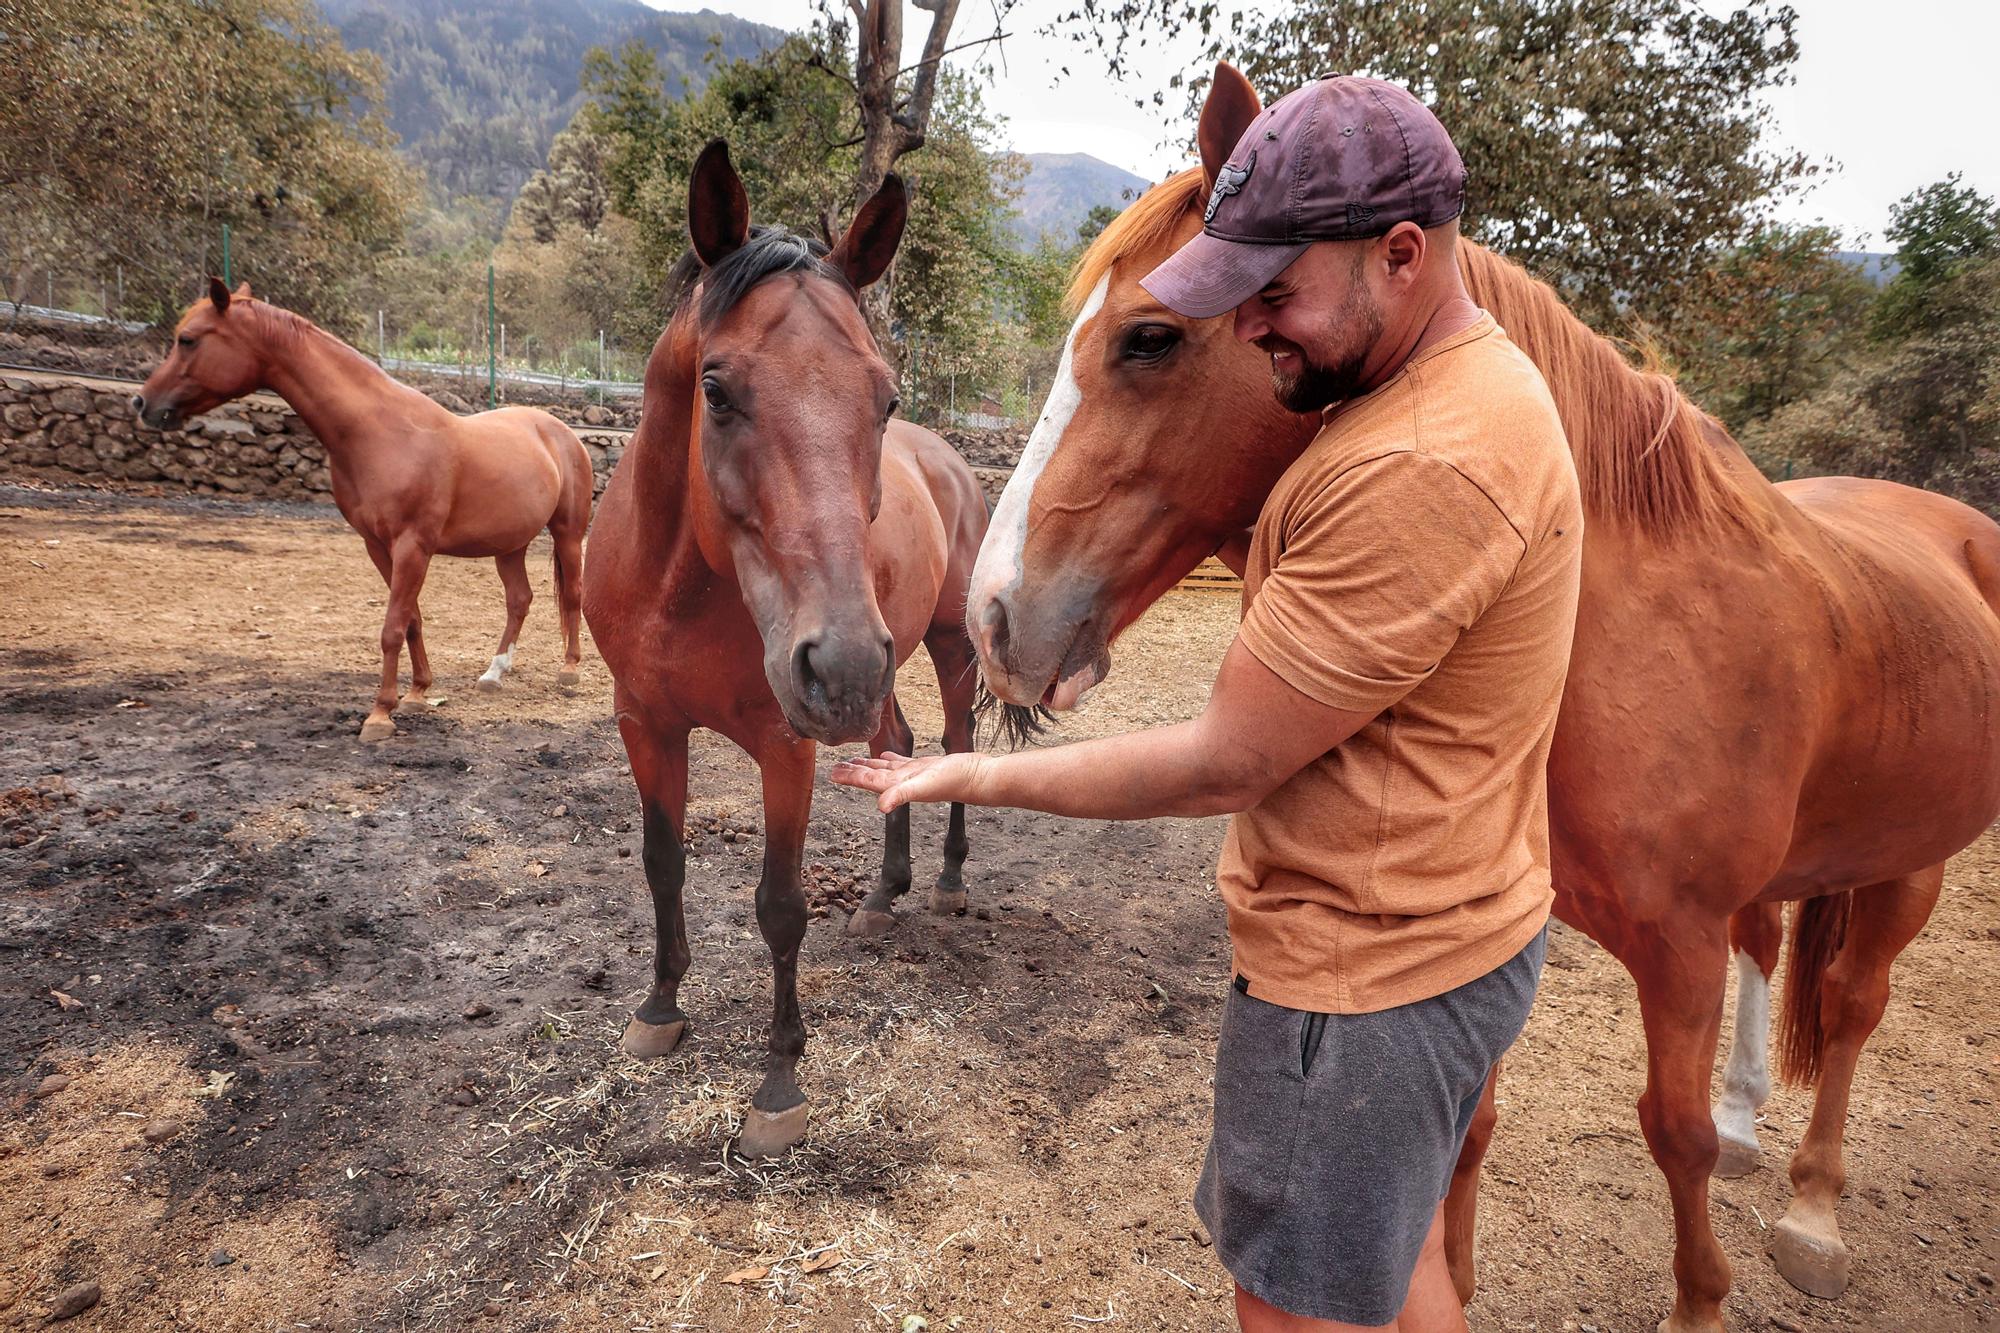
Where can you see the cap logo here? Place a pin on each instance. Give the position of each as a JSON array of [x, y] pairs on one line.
[[1359, 215], [1228, 181]]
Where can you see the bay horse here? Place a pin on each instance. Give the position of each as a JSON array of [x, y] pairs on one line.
[[1777, 693], [773, 544], [414, 479]]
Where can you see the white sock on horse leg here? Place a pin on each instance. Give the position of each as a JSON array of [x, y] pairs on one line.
[[1746, 1079], [502, 664]]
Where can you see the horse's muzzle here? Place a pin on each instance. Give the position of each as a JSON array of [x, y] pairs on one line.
[[840, 683], [160, 416]]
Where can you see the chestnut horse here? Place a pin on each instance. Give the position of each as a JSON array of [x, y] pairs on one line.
[[771, 547], [413, 479], [1776, 693]]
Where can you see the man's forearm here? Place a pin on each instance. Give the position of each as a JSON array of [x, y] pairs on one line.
[[1140, 775]]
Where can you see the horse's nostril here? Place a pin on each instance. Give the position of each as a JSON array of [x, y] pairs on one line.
[[995, 620], [806, 679], [138, 405]]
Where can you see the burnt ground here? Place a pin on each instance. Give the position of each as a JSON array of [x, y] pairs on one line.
[[380, 990]]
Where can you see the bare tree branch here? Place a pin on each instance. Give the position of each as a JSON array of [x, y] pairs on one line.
[[962, 46]]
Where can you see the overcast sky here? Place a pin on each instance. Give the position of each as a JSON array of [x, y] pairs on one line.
[[1897, 94]]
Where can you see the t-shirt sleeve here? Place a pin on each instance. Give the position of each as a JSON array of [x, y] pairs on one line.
[[1375, 577]]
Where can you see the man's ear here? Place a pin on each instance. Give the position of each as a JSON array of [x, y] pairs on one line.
[[1405, 249]]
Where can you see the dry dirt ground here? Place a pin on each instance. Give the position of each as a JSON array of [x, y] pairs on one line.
[[274, 936]]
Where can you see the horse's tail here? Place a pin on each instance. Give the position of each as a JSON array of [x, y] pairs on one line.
[[1818, 929]]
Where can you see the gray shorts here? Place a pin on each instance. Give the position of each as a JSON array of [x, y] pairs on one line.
[[1336, 1134]]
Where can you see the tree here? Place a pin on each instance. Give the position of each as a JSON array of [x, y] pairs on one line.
[[137, 129], [1095, 222], [789, 119], [1615, 146], [1939, 231], [572, 188], [1772, 322]]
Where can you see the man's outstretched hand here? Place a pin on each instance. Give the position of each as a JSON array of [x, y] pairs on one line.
[[899, 779]]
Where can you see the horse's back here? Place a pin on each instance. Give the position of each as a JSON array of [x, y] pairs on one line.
[[1910, 736], [960, 504], [516, 470]]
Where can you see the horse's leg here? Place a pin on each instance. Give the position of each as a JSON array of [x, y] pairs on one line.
[[660, 771], [408, 564], [777, 1116], [1461, 1205], [951, 654], [876, 916], [1681, 982], [420, 662], [1883, 921], [569, 601], [513, 568], [1755, 934]]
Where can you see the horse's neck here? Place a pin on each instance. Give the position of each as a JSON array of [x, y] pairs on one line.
[[340, 394], [668, 491]]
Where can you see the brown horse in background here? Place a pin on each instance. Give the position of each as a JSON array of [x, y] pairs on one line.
[[771, 547], [1777, 693], [413, 479]]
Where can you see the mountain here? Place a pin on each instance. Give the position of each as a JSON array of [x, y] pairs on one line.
[[1062, 188], [477, 88], [1876, 268]]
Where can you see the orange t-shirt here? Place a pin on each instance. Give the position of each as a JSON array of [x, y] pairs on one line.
[[1419, 562]]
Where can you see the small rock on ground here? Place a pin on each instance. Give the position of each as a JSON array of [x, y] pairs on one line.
[[76, 1300], [52, 1085], [159, 1131]]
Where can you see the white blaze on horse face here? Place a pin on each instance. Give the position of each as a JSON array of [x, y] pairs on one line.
[[1746, 1080], [1001, 563]]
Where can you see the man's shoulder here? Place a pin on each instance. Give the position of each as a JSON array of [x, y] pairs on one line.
[[1488, 413]]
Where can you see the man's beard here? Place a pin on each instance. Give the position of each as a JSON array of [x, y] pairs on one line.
[[1315, 387]]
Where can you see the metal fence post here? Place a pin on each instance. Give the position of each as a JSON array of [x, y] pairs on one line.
[[600, 366], [381, 340], [492, 381]]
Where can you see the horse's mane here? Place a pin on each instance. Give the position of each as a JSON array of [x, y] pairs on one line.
[[769, 251], [281, 328], [1641, 448]]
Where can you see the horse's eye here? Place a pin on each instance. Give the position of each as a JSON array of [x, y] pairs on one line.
[[895, 406], [717, 396], [1150, 342], [185, 341]]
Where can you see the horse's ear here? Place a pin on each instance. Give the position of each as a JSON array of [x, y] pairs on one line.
[[219, 294], [1232, 104], [242, 292], [870, 241], [718, 208]]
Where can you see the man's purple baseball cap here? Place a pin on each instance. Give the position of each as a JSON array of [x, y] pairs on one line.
[[1342, 159]]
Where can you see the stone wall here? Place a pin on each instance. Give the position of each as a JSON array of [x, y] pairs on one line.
[[78, 432], [81, 432]]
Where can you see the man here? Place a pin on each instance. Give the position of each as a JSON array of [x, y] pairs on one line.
[[1380, 727]]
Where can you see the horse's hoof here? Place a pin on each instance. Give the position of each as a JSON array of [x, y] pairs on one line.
[[377, 729], [489, 684], [1816, 1265], [947, 902], [413, 702], [1736, 1158], [1675, 1324], [768, 1133], [868, 924], [649, 1041], [569, 676]]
